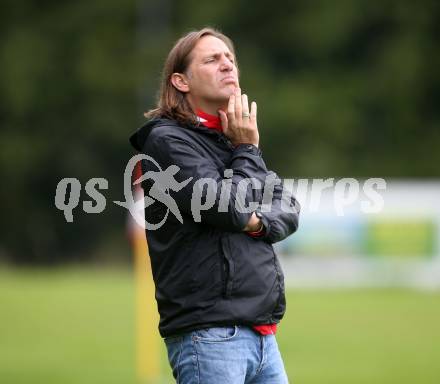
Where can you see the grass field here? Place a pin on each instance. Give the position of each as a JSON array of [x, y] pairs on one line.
[[77, 326]]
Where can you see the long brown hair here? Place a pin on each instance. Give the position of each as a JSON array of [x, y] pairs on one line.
[[172, 103]]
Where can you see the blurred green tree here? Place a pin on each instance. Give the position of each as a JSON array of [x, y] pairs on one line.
[[344, 89]]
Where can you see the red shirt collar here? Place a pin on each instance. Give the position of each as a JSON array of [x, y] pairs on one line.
[[209, 121]]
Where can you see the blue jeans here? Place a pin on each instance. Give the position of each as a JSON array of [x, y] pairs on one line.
[[225, 355]]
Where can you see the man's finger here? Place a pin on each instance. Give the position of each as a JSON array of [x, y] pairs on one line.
[[238, 107], [231, 105], [254, 112], [223, 120], [245, 105]]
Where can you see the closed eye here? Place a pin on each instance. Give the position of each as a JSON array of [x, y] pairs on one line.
[[217, 57]]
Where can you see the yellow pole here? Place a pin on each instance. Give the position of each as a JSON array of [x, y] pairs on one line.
[[147, 318]]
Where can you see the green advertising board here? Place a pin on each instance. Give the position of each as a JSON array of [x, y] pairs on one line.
[[407, 237]]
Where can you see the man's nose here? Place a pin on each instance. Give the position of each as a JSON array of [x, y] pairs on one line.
[[226, 65]]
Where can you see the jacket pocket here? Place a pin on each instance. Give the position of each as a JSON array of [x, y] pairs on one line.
[[280, 306], [279, 271], [228, 269]]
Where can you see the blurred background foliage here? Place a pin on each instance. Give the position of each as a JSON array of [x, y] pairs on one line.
[[346, 89]]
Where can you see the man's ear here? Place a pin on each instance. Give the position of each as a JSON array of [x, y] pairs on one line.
[[180, 82]]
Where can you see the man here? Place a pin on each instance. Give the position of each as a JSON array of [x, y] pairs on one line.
[[219, 285]]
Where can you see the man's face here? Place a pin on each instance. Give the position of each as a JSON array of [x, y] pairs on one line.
[[212, 73]]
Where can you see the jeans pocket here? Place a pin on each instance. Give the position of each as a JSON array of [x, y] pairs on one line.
[[216, 334]]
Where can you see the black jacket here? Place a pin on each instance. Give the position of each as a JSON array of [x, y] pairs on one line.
[[211, 272]]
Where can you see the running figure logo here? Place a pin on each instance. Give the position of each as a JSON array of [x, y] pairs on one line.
[[163, 182]]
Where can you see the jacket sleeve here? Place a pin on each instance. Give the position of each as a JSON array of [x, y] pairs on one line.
[[280, 215], [220, 212]]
